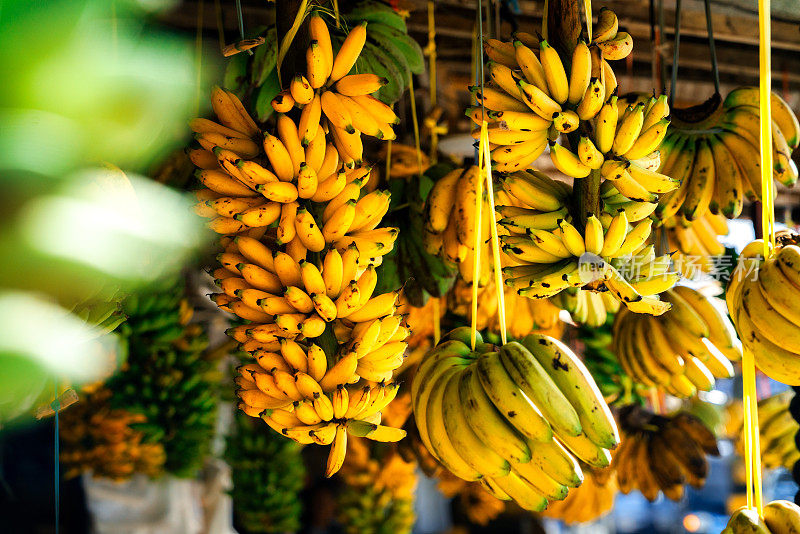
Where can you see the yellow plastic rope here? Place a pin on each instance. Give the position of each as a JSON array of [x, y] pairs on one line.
[[587, 4], [476, 253], [388, 160], [414, 122], [486, 169], [751, 432], [198, 44], [437, 326]]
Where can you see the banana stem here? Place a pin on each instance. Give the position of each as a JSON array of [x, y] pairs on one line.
[[587, 196], [563, 25]]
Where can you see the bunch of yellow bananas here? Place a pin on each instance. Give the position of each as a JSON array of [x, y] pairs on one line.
[[695, 243], [450, 222], [406, 161], [714, 154], [104, 441], [780, 517], [548, 248], [661, 453], [592, 500], [277, 198], [523, 315], [501, 417], [764, 302], [682, 350], [590, 308], [777, 429]]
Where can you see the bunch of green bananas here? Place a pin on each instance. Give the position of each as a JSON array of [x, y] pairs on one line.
[[389, 52], [684, 349], [104, 316], [167, 378], [501, 417], [612, 380], [410, 266], [780, 517], [712, 150], [764, 301], [268, 474], [661, 453], [777, 430], [367, 510]]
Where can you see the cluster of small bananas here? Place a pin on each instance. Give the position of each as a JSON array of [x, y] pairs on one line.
[[780, 517], [268, 474], [682, 350], [661, 453], [592, 500], [695, 243], [301, 246], [714, 154], [491, 416], [764, 301], [379, 496], [777, 429], [450, 218], [532, 100], [523, 315], [406, 160], [548, 248], [107, 442], [589, 308]]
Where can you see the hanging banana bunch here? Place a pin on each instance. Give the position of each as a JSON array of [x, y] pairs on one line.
[[777, 430], [107, 442], [549, 250], [695, 244], [713, 152], [683, 350], [662, 453], [614, 383], [509, 419], [379, 496], [302, 241], [763, 299], [592, 500]]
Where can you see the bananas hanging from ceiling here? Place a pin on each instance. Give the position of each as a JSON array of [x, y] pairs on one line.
[[777, 429], [389, 52], [681, 351], [762, 297], [592, 500], [301, 244], [509, 419], [550, 251], [780, 517], [712, 150], [662, 453]]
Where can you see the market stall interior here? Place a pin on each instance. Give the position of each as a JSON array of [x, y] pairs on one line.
[[401, 266]]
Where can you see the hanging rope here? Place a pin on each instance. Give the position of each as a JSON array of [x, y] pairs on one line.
[[676, 48], [587, 6], [415, 122], [711, 48]]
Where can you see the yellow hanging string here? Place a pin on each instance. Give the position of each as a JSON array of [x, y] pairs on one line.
[[587, 4], [414, 122], [198, 44], [476, 252], [486, 169]]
